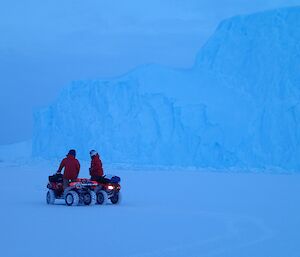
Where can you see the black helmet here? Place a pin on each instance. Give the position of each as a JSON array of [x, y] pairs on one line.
[[72, 152]]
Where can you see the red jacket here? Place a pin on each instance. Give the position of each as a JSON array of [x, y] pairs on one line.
[[71, 165], [96, 166]]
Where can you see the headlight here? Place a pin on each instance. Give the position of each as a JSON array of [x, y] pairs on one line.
[[110, 187]]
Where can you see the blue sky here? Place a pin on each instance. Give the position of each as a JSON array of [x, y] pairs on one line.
[[44, 45]]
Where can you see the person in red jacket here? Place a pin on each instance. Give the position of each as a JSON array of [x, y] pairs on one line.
[[71, 167], [96, 170]]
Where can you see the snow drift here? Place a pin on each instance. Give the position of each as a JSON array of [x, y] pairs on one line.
[[238, 106]]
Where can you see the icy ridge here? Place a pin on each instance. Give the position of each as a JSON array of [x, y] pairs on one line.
[[237, 107], [125, 125]]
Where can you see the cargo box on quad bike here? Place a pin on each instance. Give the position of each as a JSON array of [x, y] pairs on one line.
[[80, 191]]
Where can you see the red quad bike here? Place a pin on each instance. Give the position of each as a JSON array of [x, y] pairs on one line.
[[108, 190], [81, 191]]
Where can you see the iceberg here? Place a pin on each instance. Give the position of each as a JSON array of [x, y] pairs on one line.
[[238, 106]]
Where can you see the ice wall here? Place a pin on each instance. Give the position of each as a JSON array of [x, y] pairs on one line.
[[238, 106]]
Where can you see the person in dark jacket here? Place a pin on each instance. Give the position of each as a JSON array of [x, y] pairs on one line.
[[71, 168], [96, 170]]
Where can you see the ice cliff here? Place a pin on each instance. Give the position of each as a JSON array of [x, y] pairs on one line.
[[239, 106]]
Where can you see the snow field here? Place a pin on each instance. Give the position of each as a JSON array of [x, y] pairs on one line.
[[163, 213]]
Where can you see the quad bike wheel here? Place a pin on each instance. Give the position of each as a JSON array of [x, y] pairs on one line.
[[116, 198], [50, 197], [101, 197], [89, 198], [72, 198]]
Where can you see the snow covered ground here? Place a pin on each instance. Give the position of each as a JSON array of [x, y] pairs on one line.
[[163, 213]]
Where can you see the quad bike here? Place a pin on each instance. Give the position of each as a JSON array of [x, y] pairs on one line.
[[81, 191], [108, 189]]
